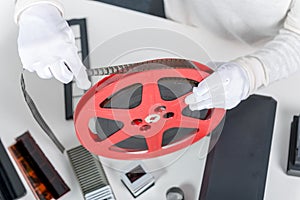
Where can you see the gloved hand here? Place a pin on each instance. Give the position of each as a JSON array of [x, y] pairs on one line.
[[224, 88], [46, 45]]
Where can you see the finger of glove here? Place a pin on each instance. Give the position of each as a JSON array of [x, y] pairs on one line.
[[205, 104], [34, 66], [61, 72], [78, 69], [200, 92], [44, 73], [210, 83], [28, 68], [201, 89], [82, 80], [194, 98]]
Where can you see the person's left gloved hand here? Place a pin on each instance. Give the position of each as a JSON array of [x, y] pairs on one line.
[[46, 45], [224, 88]]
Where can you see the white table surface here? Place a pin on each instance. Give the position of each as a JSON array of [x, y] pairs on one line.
[[105, 21]]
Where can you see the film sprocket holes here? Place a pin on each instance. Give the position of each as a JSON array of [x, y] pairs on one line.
[[137, 179]]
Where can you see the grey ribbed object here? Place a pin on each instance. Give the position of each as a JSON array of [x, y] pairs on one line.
[[90, 174]]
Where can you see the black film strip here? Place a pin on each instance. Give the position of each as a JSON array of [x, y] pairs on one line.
[[72, 92]]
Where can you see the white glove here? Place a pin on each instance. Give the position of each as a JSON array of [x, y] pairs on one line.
[[225, 88], [46, 45]]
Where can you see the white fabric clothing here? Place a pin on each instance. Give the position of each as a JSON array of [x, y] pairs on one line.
[[21, 5], [250, 21], [247, 20]]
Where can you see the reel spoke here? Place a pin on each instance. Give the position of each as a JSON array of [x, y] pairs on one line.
[[154, 143], [150, 95], [188, 122]]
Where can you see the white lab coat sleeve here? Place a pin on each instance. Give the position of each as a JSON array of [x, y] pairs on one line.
[[21, 5], [280, 57]]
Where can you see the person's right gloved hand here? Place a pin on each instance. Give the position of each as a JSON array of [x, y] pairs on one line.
[[46, 45], [224, 88]]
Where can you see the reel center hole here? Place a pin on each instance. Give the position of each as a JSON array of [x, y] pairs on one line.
[[160, 109], [145, 127], [136, 121], [168, 115]]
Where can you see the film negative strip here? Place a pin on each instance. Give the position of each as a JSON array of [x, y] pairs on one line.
[[72, 92], [39, 173], [90, 174]]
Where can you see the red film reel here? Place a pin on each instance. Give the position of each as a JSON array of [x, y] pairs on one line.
[[141, 114]]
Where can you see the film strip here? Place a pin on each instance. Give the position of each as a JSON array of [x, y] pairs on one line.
[[72, 92], [39, 173]]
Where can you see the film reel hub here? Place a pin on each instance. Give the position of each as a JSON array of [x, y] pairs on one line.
[[141, 114]]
